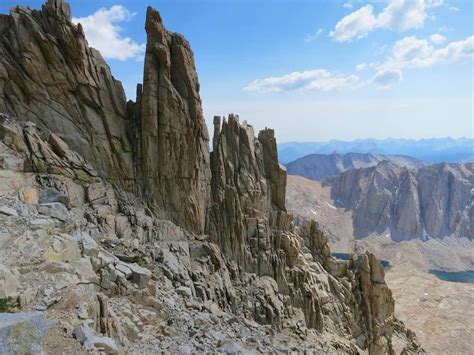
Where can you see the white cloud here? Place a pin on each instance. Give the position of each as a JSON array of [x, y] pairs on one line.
[[103, 33], [398, 15], [313, 36], [355, 25], [311, 80], [453, 8], [348, 5], [407, 53], [411, 52], [410, 48], [402, 15], [453, 52], [385, 78], [437, 38]]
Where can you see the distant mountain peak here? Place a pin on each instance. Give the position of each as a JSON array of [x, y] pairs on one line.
[[322, 166], [432, 150]]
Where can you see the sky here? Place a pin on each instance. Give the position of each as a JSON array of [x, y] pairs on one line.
[[312, 70]]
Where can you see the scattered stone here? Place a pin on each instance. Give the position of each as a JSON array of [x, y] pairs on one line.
[[53, 195], [54, 209], [29, 195], [184, 291], [8, 211], [11, 162], [87, 337], [8, 282], [140, 275], [40, 223]]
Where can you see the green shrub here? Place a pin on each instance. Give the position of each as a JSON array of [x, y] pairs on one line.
[[7, 305]]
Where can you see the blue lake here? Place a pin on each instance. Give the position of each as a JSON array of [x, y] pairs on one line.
[[347, 256], [457, 276]]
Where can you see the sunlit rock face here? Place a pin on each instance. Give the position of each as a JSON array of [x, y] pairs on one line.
[[434, 201], [175, 156], [50, 76]]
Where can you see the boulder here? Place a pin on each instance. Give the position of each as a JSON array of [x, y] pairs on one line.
[[140, 275], [52, 195], [8, 211], [91, 341], [23, 333], [55, 210], [29, 195], [8, 282]]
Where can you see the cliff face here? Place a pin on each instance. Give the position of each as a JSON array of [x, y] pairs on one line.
[[433, 201], [175, 157], [253, 262], [50, 76]]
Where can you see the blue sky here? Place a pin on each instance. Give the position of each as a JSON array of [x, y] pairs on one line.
[[313, 70]]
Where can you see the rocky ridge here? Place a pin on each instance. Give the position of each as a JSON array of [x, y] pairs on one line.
[[322, 166], [119, 225], [432, 202]]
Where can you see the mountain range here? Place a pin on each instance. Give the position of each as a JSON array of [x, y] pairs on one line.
[[431, 150], [435, 201], [321, 166]]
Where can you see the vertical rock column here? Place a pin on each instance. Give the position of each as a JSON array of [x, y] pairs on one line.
[[175, 154]]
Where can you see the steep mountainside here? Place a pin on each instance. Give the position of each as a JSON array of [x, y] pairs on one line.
[[432, 150], [321, 166], [433, 202], [120, 226], [445, 306]]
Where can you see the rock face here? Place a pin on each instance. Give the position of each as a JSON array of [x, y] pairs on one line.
[[322, 166], [50, 76], [163, 255], [434, 201], [175, 155], [157, 146], [249, 223]]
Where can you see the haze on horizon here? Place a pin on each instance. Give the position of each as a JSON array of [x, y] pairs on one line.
[[336, 70]]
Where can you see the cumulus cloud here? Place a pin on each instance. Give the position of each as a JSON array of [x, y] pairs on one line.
[[355, 25], [411, 52], [437, 38], [403, 15], [407, 53], [398, 15], [385, 78], [311, 80], [313, 36], [103, 33]]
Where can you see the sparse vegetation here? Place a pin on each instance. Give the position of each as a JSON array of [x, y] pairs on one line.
[[7, 305]]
